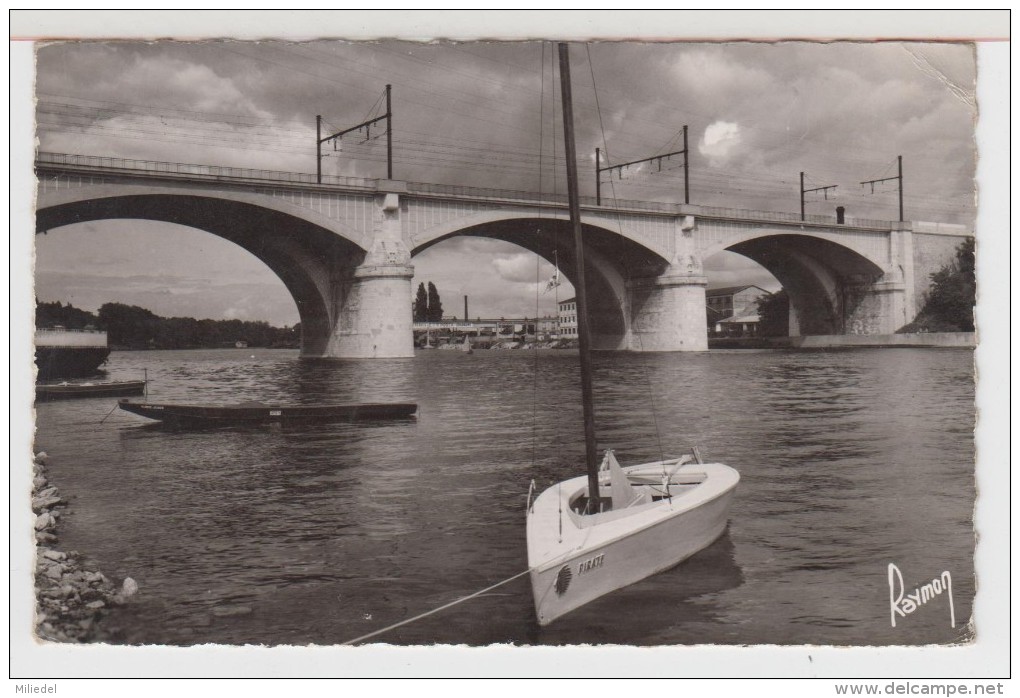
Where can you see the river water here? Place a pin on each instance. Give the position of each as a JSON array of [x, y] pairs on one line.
[[849, 461]]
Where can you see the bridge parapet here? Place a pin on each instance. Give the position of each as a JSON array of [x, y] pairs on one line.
[[91, 165], [94, 165]]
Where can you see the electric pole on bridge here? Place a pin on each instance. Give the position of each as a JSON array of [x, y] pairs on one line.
[[657, 158], [803, 191], [898, 178], [367, 125]]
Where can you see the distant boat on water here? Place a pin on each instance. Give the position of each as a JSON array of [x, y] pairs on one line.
[[65, 390], [253, 413], [67, 353]]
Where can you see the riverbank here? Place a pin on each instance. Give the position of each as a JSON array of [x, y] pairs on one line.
[[503, 345], [71, 591], [944, 340]]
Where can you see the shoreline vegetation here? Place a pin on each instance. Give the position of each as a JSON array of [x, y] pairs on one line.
[[129, 327], [71, 592]]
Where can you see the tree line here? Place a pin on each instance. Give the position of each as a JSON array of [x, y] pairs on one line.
[[427, 305], [132, 327], [949, 303], [948, 306]]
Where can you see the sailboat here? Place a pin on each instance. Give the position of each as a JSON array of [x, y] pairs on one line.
[[596, 533], [466, 346]]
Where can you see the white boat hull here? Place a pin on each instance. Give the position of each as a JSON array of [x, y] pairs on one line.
[[574, 561]]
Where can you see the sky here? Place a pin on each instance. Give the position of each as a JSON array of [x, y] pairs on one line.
[[487, 114]]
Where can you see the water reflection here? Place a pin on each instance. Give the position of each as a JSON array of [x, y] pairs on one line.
[[321, 533], [668, 608]]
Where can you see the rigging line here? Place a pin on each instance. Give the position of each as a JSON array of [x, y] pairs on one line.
[[619, 224], [651, 402], [538, 270], [462, 599]]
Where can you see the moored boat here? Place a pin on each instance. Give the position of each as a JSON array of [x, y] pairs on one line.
[[65, 390], [252, 413], [652, 517], [69, 353], [593, 534]]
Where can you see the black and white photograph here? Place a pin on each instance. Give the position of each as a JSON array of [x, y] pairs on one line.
[[535, 343]]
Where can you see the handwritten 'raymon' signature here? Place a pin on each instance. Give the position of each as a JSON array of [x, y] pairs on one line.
[[903, 604]]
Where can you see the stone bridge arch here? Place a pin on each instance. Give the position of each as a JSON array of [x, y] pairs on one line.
[[834, 287], [611, 260], [315, 257], [343, 249]]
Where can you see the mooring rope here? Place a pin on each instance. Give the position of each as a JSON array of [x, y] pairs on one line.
[[110, 412], [435, 610]]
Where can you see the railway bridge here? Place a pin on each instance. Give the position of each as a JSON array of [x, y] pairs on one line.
[[344, 249]]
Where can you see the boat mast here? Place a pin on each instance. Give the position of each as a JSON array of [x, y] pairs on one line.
[[583, 335]]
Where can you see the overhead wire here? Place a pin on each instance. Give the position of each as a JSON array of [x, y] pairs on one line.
[[235, 121], [246, 131]]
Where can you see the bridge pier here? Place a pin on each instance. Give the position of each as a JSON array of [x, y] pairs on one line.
[[668, 313], [374, 313], [876, 308], [884, 305]]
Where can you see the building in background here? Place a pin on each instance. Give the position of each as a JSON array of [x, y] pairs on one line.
[[732, 311], [568, 318], [547, 326]]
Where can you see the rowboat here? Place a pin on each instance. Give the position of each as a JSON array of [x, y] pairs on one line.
[[253, 413], [61, 391], [591, 535]]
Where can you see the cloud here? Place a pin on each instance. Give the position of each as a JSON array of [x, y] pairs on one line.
[[732, 269], [498, 277], [518, 268], [720, 141], [484, 114]]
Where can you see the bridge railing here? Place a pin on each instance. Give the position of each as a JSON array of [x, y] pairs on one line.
[[544, 197], [783, 217], [211, 171], [111, 164]]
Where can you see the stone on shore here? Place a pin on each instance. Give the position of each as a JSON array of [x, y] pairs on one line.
[[71, 593], [43, 521], [129, 588]]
